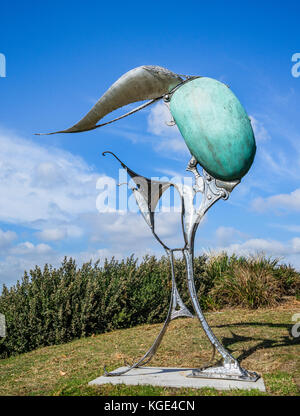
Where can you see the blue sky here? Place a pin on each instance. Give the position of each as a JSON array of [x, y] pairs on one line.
[[62, 56]]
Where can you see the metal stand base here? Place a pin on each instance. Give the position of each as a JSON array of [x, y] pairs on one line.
[[225, 373], [175, 378]]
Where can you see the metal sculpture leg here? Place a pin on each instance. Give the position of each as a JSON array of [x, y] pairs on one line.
[[147, 194], [212, 191], [176, 309], [230, 368]]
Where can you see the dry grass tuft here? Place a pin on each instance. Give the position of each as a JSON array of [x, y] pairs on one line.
[[247, 285]]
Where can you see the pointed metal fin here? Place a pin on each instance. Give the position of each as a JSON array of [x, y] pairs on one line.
[[147, 193]]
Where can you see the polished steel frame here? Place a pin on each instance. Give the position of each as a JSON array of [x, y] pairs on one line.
[[147, 194]]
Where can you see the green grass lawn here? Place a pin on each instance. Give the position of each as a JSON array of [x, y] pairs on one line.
[[260, 339]]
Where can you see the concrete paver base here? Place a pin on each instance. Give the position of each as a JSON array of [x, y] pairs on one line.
[[174, 377]]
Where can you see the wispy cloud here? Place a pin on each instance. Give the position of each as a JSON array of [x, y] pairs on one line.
[[225, 235], [260, 131], [170, 140], [60, 233], [6, 238], [278, 203]]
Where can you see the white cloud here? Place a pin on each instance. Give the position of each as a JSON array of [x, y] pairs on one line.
[[52, 234], [128, 232], [233, 241], [158, 117], [60, 233], [286, 202], [27, 248], [287, 251], [40, 184], [52, 193], [100, 254], [170, 139], [6, 238], [44, 190], [260, 132], [48, 175], [295, 242], [277, 163], [225, 235], [24, 256]]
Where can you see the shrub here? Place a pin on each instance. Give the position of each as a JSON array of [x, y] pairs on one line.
[[289, 279], [51, 306]]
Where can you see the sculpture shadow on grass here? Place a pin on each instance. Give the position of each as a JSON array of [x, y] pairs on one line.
[[263, 343]]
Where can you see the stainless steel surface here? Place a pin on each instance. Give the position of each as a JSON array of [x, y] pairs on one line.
[[225, 372], [147, 82], [176, 309], [147, 194], [153, 83]]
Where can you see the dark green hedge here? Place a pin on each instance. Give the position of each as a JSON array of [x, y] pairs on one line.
[[53, 306]]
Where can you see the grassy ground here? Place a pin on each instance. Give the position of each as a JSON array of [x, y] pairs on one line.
[[260, 339]]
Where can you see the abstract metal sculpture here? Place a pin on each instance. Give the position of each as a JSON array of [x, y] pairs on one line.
[[220, 138]]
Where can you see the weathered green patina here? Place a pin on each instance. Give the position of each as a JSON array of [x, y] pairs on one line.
[[215, 127]]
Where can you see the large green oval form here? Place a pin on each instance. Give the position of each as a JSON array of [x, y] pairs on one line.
[[215, 127]]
